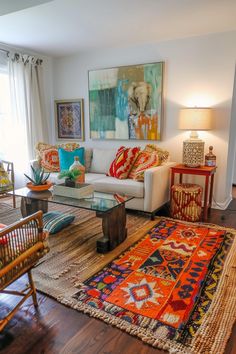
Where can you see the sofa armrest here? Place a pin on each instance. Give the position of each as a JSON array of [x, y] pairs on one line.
[[34, 163], [157, 186]]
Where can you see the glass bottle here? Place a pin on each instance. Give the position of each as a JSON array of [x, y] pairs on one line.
[[78, 166], [210, 158]]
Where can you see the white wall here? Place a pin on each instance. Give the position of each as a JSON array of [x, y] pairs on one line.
[[232, 141], [199, 71]]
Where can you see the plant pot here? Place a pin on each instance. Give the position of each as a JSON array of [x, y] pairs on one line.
[[69, 183], [39, 188]]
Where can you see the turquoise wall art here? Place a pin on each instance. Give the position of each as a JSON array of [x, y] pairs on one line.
[[126, 102]]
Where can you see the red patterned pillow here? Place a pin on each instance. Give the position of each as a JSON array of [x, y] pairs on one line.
[[50, 160], [144, 161], [123, 162]]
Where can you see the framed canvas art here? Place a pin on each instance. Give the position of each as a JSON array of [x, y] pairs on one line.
[[126, 102], [70, 119]]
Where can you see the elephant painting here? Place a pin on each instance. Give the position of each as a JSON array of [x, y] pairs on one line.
[[126, 102]]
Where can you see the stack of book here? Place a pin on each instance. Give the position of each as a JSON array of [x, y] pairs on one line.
[[81, 190]]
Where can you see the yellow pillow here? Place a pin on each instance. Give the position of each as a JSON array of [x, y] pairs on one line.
[[162, 154], [5, 182]]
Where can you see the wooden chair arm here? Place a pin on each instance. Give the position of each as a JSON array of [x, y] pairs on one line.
[[17, 238]]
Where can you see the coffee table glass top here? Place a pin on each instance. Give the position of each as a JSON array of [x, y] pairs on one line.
[[97, 201]]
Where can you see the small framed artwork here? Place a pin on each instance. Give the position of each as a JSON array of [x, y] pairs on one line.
[[69, 116]]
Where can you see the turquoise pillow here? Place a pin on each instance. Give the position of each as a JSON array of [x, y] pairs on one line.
[[55, 221], [67, 158]]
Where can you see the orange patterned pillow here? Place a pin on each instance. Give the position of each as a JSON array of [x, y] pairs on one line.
[[41, 147], [144, 161], [47, 155], [162, 154], [50, 160], [123, 162]]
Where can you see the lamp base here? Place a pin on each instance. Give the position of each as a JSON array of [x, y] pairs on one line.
[[193, 152]]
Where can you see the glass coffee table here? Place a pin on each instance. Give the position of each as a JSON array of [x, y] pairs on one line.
[[109, 207]]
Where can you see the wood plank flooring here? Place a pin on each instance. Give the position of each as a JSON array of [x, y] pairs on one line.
[[55, 328]]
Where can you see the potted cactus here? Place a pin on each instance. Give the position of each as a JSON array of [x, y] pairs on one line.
[[39, 180]]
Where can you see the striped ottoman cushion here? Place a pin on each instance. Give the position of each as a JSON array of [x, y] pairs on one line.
[[186, 202]]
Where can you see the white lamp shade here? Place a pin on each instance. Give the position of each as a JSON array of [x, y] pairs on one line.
[[195, 119]]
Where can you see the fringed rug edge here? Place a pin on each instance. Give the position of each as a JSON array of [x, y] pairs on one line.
[[156, 341]]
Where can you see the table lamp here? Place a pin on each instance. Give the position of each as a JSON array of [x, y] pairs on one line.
[[194, 119]]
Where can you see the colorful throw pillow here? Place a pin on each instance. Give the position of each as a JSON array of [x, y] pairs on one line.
[[162, 154], [68, 146], [143, 162], [66, 158], [5, 182], [55, 221], [50, 160], [47, 155], [123, 162]]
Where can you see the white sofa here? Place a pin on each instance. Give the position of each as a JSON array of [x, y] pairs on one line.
[[149, 195]]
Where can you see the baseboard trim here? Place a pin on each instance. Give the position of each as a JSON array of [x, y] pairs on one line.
[[222, 206]]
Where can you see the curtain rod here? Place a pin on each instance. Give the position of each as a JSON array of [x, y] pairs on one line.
[[4, 50]]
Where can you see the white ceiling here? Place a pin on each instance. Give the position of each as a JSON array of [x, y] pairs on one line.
[[7, 6], [64, 27]]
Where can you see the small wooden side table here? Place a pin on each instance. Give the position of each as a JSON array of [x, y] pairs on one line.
[[206, 171]]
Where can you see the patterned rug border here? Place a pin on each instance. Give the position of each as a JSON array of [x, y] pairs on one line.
[[210, 337]]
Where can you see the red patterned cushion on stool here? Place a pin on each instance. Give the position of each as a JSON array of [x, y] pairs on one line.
[[186, 202], [123, 162]]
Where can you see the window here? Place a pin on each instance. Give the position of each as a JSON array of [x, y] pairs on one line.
[[5, 115]]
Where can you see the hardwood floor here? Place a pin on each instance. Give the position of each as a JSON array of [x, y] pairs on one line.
[[234, 191], [55, 328]]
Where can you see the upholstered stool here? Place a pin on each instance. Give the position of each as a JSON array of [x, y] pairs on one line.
[[186, 201]]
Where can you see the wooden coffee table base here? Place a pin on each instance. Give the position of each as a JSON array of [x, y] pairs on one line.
[[114, 229], [113, 222], [29, 206]]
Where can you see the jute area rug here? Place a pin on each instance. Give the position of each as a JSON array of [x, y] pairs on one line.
[[73, 255]]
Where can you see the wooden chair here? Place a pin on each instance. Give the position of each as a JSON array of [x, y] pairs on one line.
[[22, 244], [9, 168]]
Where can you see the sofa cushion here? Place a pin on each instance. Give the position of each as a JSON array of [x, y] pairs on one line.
[[91, 177], [102, 159], [123, 162], [54, 178], [122, 186], [66, 158]]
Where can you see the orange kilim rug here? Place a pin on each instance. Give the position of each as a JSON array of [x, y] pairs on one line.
[[174, 289]]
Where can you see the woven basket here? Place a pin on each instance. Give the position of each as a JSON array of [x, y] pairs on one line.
[[186, 202]]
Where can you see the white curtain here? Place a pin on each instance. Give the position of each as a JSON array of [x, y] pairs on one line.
[[27, 123], [4, 103]]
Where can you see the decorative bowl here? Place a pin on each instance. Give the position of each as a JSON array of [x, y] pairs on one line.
[[39, 188]]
